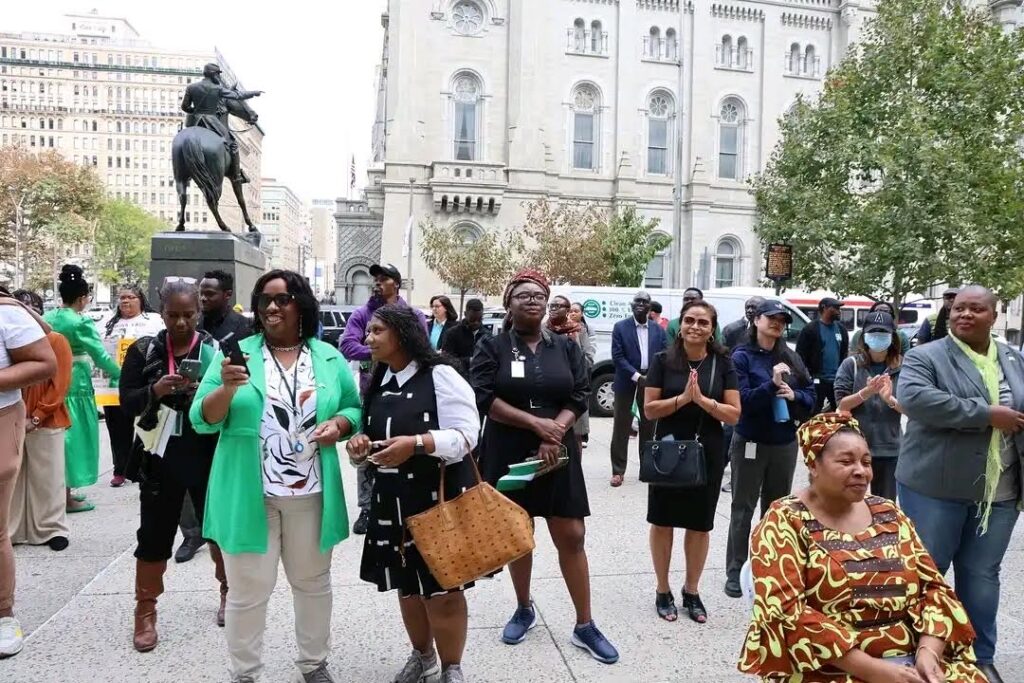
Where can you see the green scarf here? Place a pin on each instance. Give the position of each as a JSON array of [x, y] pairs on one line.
[[988, 366]]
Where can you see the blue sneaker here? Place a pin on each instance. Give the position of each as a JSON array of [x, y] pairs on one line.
[[519, 625], [589, 638]]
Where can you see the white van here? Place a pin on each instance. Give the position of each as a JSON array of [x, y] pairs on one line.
[[605, 306]]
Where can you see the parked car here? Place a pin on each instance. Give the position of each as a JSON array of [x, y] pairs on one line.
[[333, 319]]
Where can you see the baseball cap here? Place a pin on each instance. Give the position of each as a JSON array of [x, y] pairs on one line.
[[774, 307], [829, 302], [386, 270], [879, 321]]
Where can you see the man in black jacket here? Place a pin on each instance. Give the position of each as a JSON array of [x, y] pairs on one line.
[[822, 345], [738, 332], [215, 292], [461, 339]]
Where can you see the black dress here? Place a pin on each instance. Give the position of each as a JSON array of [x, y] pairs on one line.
[[406, 490], [554, 378], [690, 508]]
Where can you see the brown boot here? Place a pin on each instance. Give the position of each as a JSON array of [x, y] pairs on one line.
[[222, 577], [149, 585]]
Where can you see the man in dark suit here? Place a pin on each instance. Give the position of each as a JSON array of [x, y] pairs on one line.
[[635, 340]]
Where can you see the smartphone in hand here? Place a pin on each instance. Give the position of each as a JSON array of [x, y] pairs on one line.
[[190, 368], [229, 346]]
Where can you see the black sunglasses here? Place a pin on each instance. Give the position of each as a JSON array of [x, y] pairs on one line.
[[279, 300]]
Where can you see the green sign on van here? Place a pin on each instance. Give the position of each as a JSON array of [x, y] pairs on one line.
[[591, 308]]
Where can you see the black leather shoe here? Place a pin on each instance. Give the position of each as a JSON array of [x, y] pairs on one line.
[[732, 588], [58, 543], [189, 548], [361, 523], [990, 673]]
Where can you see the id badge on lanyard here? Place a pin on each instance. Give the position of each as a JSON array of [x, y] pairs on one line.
[[517, 366]]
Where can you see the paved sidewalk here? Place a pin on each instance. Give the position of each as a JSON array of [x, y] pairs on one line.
[[77, 606]]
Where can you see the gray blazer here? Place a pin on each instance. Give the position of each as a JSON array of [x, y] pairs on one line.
[[944, 450]]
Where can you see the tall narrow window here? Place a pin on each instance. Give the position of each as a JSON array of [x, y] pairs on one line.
[[810, 62], [741, 53], [654, 44], [794, 59], [725, 51], [671, 44], [585, 128], [660, 110], [726, 271], [466, 97], [596, 38], [579, 35], [730, 142]]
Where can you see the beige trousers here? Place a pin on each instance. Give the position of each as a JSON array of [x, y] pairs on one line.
[[294, 539], [38, 507]]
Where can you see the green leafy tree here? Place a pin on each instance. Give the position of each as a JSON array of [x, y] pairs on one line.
[[630, 242], [567, 242], [907, 172], [47, 204], [469, 263], [124, 233]]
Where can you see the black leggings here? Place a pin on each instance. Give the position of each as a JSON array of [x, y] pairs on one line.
[[161, 495], [121, 428]]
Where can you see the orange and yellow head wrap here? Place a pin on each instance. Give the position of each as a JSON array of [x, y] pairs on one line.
[[815, 433]]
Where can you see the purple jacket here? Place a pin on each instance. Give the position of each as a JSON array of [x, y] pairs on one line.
[[351, 344]]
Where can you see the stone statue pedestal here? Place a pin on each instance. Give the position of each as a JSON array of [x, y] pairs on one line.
[[191, 254]]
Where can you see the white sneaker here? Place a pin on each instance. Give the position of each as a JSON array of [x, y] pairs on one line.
[[11, 637]]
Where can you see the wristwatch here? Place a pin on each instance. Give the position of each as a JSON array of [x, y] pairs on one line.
[[420, 448]]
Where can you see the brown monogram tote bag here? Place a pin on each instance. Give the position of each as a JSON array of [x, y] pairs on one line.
[[473, 535]]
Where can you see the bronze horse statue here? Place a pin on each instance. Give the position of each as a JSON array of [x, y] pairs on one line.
[[199, 154]]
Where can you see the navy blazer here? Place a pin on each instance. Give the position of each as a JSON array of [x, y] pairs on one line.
[[626, 351]]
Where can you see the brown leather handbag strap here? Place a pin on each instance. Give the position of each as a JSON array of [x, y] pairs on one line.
[[476, 471]]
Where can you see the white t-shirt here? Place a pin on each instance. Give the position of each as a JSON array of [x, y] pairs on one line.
[[17, 329]]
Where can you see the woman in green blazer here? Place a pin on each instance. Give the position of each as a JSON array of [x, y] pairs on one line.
[[275, 489]]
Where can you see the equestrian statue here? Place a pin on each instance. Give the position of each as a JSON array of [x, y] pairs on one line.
[[205, 150]]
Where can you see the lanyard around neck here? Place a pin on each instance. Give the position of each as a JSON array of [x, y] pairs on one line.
[[172, 366], [293, 388]]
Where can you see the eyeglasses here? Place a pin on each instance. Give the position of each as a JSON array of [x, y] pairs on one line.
[[536, 297], [179, 278], [641, 302], [696, 322], [554, 306], [280, 300]]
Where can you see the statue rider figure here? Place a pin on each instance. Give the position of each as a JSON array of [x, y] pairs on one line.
[[204, 103]]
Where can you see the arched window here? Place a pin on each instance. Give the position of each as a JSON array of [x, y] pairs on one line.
[[741, 53], [596, 37], [580, 34], [654, 43], [730, 139], [810, 65], [727, 269], [467, 17], [725, 51], [360, 284], [671, 44], [586, 127], [794, 59], [466, 93], [655, 275], [660, 111]]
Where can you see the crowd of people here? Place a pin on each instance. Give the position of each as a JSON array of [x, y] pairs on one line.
[[233, 428]]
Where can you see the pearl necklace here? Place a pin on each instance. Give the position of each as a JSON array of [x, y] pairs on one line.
[[285, 349]]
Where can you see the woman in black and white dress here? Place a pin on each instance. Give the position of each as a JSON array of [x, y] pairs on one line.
[[419, 413]]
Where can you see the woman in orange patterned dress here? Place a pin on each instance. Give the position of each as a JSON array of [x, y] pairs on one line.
[[844, 589]]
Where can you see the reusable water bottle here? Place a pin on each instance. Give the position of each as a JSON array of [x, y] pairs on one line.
[[780, 409]]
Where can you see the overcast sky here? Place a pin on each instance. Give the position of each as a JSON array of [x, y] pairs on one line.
[[316, 61]]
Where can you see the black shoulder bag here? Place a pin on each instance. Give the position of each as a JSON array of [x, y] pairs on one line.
[[677, 463]]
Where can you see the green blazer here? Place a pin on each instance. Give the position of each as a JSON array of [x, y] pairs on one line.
[[235, 516]]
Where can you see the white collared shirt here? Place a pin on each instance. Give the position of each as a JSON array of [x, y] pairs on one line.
[[641, 337], [457, 416]]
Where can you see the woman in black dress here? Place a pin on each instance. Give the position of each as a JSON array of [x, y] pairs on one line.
[[419, 413], [691, 390], [532, 386]]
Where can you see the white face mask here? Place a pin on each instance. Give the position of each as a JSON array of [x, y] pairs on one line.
[[878, 341]]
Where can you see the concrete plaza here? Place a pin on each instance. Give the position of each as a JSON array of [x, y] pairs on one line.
[[76, 607]]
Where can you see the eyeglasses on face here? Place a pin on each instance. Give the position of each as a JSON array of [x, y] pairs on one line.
[[696, 322], [641, 302], [537, 297], [280, 300], [555, 305]]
